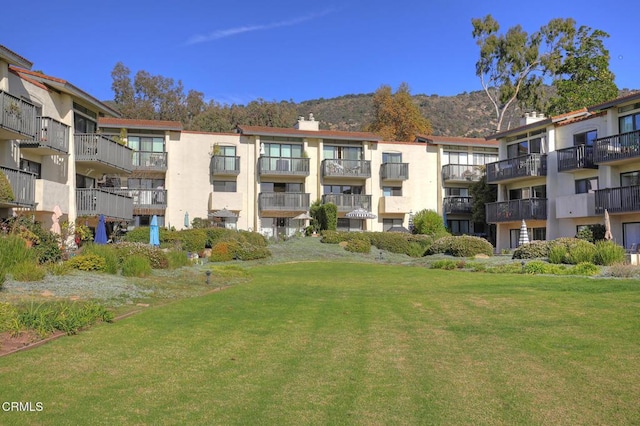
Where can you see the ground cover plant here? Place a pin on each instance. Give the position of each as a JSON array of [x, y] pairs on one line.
[[363, 343]]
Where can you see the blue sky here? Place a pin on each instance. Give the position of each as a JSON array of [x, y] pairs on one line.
[[238, 51]]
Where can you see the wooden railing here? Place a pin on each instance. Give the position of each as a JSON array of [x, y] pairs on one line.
[[96, 201], [225, 165], [617, 147], [461, 172], [346, 168], [23, 185], [576, 157], [152, 161], [524, 166], [287, 201], [50, 134], [394, 171], [101, 149], [618, 200], [348, 202], [516, 210], [17, 115], [288, 166], [453, 205]]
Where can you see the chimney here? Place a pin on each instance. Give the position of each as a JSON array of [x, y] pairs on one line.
[[310, 124], [531, 117]]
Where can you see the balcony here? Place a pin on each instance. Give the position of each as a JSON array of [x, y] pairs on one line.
[[394, 171], [145, 201], [23, 185], [576, 158], [50, 194], [394, 204], [346, 168], [52, 138], [93, 202], [348, 202], [150, 161], [458, 205], [17, 118], [518, 168], [226, 165], [517, 210], [283, 166], [102, 154], [461, 173], [283, 201], [617, 149], [618, 200]]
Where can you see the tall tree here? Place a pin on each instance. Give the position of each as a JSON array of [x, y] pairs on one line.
[[512, 65], [396, 117], [583, 77]]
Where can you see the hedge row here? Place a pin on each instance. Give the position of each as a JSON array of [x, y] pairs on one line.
[[572, 251]]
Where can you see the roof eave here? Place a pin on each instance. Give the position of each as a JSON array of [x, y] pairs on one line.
[[14, 59]]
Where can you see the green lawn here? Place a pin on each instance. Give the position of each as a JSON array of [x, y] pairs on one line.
[[346, 343]]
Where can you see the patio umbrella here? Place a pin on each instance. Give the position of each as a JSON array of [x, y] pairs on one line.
[[55, 219], [399, 228], [154, 232], [186, 219], [360, 213], [101, 231], [303, 217], [524, 234], [607, 226]]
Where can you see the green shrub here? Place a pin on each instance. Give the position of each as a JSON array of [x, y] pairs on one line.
[[140, 234], [45, 318], [533, 250], [8, 313], [59, 268], [581, 253], [331, 216], [429, 222], [88, 262], [622, 270], [156, 256], [136, 265], [448, 264], [461, 246], [536, 267], [177, 259], [106, 251], [356, 245], [608, 253], [224, 251], [6, 192], [246, 251], [558, 254], [575, 250], [28, 271], [585, 268], [392, 242], [13, 250], [193, 240], [508, 268], [333, 237], [216, 234], [48, 247]]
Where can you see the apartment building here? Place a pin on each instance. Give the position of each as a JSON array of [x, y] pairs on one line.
[[560, 174]]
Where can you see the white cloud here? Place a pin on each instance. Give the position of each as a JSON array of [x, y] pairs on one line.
[[230, 32]]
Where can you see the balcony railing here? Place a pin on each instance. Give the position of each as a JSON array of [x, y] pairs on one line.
[[618, 200], [348, 202], [150, 161], [52, 136], [461, 172], [143, 198], [287, 166], [617, 147], [394, 171], [23, 185], [91, 147], [575, 158], [17, 116], [519, 167], [225, 165], [346, 168], [517, 210], [96, 201], [284, 201], [458, 205]]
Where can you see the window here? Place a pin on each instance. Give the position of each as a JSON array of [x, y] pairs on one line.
[[345, 224], [449, 157], [456, 192], [281, 187], [283, 150], [224, 186], [138, 183], [341, 189], [31, 166], [391, 157], [525, 193], [331, 152], [481, 159], [392, 191], [584, 186], [535, 234], [629, 123], [629, 178], [146, 221], [85, 182], [585, 138], [388, 223], [631, 234], [458, 227], [148, 150], [533, 145]]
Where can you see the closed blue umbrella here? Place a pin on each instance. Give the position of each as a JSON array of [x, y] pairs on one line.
[[101, 231], [154, 232]]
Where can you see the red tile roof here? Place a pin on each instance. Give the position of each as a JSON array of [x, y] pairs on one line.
[[139, 124], [455, 140], [29, 79], [330, 134]]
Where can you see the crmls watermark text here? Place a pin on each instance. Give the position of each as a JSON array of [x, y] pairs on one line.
[[22, 406]]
